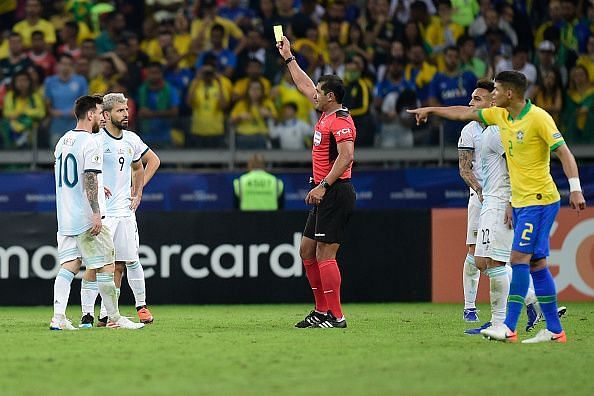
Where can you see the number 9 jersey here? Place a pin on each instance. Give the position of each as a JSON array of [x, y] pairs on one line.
[[76, 152], [118, 155]]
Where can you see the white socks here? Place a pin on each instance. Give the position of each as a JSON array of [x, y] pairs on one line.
[[470, 281], [109, 296], [499, 290], [88, 295], [62, 292], [135, 275], [103, 310]]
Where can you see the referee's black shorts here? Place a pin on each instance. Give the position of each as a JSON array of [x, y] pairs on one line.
[[327, 221]]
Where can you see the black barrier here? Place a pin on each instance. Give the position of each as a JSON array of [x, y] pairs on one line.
[[232, 257]]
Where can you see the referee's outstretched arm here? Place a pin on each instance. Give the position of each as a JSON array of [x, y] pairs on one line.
[[301, 79]]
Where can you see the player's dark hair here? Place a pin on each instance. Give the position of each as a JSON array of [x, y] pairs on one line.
[[485, 84], [332, 83], [86, 103], [513, 80]]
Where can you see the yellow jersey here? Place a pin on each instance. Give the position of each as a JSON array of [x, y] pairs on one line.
[[528, 141], [26, 30]]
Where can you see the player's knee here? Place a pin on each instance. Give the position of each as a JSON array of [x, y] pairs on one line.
[[326, 251], [119, 266], [471, 249], [481, 263], [307, 250]]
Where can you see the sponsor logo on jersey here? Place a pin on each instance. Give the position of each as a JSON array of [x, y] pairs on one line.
[[317, 138]]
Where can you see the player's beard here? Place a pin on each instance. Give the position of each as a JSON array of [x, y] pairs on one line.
[[120, 124], [95, 127]]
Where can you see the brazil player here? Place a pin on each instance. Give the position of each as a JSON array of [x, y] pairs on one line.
[[528, 134], [80, 204], [125, 178], [333, 195]]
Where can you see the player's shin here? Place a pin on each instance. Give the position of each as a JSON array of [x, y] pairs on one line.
[[499, 290], [103, 310], [470, 281], [330, 276], [135, 275], [108, 293], [546, 292], [517, 292], [62, 292], [88, 295], [312, 271]]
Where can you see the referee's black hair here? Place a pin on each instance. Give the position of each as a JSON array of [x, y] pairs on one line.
[[513, 80], [86, 103], [332, 83], [485, 84]]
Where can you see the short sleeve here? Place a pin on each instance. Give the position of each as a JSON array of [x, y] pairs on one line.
[[92, 156], [549, 132], [466, 141], [491, 115], [140, 148], [343, 130], [495, 141]]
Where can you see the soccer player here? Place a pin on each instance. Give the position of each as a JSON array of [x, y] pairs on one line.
[[528, 134], [333, 195], [125, 178], [80, 206]]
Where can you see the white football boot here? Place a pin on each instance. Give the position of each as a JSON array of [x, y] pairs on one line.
[[61, 324]]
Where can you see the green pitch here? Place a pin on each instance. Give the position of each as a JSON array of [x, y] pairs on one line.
[[388, 349]]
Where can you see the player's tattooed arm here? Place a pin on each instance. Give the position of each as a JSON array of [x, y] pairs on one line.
[[91, 187], [466, 173]]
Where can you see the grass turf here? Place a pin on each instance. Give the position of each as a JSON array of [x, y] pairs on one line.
[[404, 349]]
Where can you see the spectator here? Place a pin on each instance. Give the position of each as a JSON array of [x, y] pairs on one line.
[[253, 72], [335, 64], [568, 41], [578, 110], [357, 44], [494, 48], [450, 88], [382, 30], [419, 72], [286, 92], [412, 36], [206, 19], [396, 123], [61, 91], [82, 67], [135, 54], [267, 18], [546, 61], [37, 76], [469, 62], [289, 132], [519, 62], [63, 13], [443, 34], [108, 76], [464, 12], [587, 60], [258, 189], [335, 15], [226, 59], [491, 20], [234, 11], [254, 48], [158, 104], [17, 59], [583, 30], [23, 110], [89, 50], [421, 14], [358, 100], [40, 55], [548, 94], [401, 9], [33, 22], [106, 41], [69, 44], [308, 16], [250, 116], [208, 100], [393, 81]]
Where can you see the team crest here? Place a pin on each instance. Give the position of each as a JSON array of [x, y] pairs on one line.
[[121, 151], [317, 138], [520, 136]]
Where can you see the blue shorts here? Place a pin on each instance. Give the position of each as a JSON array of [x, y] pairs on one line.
[[532, 226]]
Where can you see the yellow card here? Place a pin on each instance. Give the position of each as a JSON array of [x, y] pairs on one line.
[[278, 33]]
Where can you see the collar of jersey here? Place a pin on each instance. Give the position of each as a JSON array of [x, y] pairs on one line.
[[113, 137], [342, 108], [524, 111]]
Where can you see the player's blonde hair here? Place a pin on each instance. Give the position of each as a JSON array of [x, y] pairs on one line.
[[111, 99]]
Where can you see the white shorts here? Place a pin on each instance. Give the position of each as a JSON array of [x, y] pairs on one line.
[[474, 212], [124, 232], [494, 237], [95, 251]]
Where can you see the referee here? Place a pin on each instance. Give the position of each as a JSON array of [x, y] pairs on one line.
[[332, 193]]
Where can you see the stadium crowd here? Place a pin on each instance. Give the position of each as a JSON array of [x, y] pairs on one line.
[[196, 69]]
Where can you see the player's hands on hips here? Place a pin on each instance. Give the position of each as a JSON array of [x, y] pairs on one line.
[[96, 221], [577, 201], [421, 114], [315, 195], [135, 202], [108, 193], [284, 48], [508, 217]]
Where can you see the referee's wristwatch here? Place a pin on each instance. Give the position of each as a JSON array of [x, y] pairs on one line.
[[325, 184]]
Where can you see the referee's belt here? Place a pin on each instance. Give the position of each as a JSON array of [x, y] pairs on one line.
[[338, 181]]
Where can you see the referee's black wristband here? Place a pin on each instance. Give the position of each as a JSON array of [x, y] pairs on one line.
[[289, 60]]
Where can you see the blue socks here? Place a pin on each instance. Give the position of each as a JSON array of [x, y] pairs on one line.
[[544, 286], [517, 292]]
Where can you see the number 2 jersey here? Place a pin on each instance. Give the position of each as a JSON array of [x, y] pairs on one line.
[[331, 129], [118, 155], [77, 152]]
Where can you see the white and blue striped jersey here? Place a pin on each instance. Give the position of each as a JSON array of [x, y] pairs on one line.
[[470, 139], [494, 169], [118, 155], [76, 152]]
